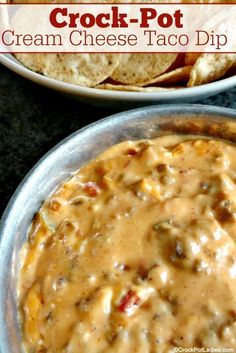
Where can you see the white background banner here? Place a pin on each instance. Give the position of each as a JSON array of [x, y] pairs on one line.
[[117, 28]]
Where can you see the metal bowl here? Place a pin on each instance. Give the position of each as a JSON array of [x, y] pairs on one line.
[[67, 157], [108, 98]]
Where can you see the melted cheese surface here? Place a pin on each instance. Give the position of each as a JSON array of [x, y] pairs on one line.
[[136, 252]]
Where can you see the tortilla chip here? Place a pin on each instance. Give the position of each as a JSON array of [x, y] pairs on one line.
[[138, 68], [109, 86], [179, 75], [29, 60], [81, 69], [191, 58], [210, 67]]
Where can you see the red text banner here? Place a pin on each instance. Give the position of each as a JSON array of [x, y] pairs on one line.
[[117, 28]]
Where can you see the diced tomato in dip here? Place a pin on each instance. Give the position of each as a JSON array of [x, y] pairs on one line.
[[129, 300], [91, 188], [135, 253]]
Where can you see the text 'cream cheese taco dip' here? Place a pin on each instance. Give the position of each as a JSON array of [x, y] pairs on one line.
[[132, 72]]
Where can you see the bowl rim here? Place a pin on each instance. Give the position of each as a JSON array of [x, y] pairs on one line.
[[69, 88], [165, 109], [187, 110]]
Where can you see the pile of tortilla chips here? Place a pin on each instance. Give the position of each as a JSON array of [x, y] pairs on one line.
[[131, 72]]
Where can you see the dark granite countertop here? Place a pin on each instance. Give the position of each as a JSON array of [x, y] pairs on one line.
[[33, 119]]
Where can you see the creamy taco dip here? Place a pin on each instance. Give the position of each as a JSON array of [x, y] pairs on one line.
[[135, 253]]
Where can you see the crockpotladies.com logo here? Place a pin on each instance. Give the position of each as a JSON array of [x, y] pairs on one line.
[[203, 350]]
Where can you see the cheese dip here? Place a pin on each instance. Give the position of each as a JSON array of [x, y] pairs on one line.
[[135, 253]]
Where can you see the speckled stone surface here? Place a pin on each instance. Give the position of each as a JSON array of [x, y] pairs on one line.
[[33, 119]]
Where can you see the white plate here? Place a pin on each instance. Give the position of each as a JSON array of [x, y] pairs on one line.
[[119, 99]]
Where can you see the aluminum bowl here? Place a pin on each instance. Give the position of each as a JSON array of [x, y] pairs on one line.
[[108, 98], [68, 156]]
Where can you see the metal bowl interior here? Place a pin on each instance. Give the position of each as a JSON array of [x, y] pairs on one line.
[[67, 157], [119, 99]]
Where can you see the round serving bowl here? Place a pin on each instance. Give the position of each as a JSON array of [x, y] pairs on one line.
[[119, 99], [68, 156]]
